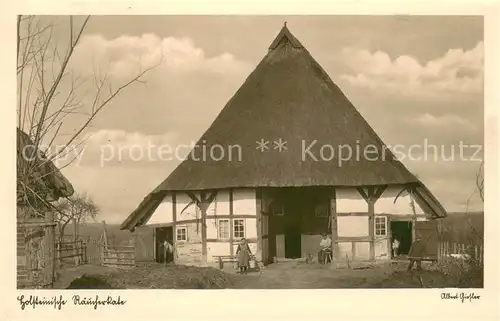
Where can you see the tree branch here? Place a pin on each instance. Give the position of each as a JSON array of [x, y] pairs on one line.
[[103, 104], [56, 83]]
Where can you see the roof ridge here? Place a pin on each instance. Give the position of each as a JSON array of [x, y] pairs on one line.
[[285, 34]]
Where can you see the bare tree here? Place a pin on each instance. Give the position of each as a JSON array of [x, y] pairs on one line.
[[77, 208], [480, 181], [49, 92], [479, 188]]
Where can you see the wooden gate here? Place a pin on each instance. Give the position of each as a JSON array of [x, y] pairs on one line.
[[121, 256], [118, 256]]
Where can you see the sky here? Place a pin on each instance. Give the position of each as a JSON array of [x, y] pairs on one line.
[[416, 80]]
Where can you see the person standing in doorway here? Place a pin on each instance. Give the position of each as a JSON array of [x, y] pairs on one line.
[[168, 251], [325, 252], [243, 253], [395, 247]]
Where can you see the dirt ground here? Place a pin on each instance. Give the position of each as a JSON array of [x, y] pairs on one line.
[[283, 275], [298, 275]]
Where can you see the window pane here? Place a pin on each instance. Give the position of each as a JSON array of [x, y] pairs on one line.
[[181, 234], [224, 229], [239, 230], [380, 226]]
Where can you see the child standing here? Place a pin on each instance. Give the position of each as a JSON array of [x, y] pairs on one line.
[[395, 247]]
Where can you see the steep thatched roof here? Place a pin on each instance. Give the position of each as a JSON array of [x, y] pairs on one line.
[[37, 178], [289, 97]]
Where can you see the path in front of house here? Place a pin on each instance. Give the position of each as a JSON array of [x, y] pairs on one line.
[[300, 275], [291, 275]]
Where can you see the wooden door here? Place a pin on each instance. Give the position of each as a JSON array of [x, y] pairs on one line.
[[428, 230], [294, 207]]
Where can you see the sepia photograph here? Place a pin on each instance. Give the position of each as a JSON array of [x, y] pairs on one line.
[[250, 152]]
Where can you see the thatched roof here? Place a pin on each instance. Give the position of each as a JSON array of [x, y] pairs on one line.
[[37, 175], [290, 97]]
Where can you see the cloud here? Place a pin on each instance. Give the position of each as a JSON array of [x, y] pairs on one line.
[[124, 56], [116, 190], [109, 147], [441, 177], [122, 138], [448, 120], [458, 71]]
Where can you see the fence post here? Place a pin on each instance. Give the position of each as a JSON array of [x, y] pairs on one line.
[[440, 254], [80, 252], [85, 254], [58, 253]]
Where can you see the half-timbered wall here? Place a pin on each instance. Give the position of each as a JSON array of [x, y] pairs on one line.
[[229, 216], [353, 221], [350, 228]]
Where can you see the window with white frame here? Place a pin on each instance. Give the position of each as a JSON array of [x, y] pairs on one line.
[[223, 229], [380, 225], [181, 233], [239, 228]]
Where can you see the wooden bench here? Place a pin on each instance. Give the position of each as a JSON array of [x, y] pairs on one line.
[[433, 260], [225, 259]]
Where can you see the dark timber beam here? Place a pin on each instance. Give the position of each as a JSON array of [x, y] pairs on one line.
[[371, 227], [231, 217], [371, 195], [174, 225], [333, 222], [258, 200], [203, 203]]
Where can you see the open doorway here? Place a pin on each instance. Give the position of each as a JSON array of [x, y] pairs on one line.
[[294, 206], [293, 244], [163, 234], [401, 230]]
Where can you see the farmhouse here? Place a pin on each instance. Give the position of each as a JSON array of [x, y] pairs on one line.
[[295, 179], [39, 183]]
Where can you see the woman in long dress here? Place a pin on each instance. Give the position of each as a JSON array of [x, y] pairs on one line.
[[243, 253]]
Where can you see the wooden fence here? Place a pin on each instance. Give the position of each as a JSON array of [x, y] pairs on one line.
[[461, 250], [72, 252], [82, 249], [118, 256]]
